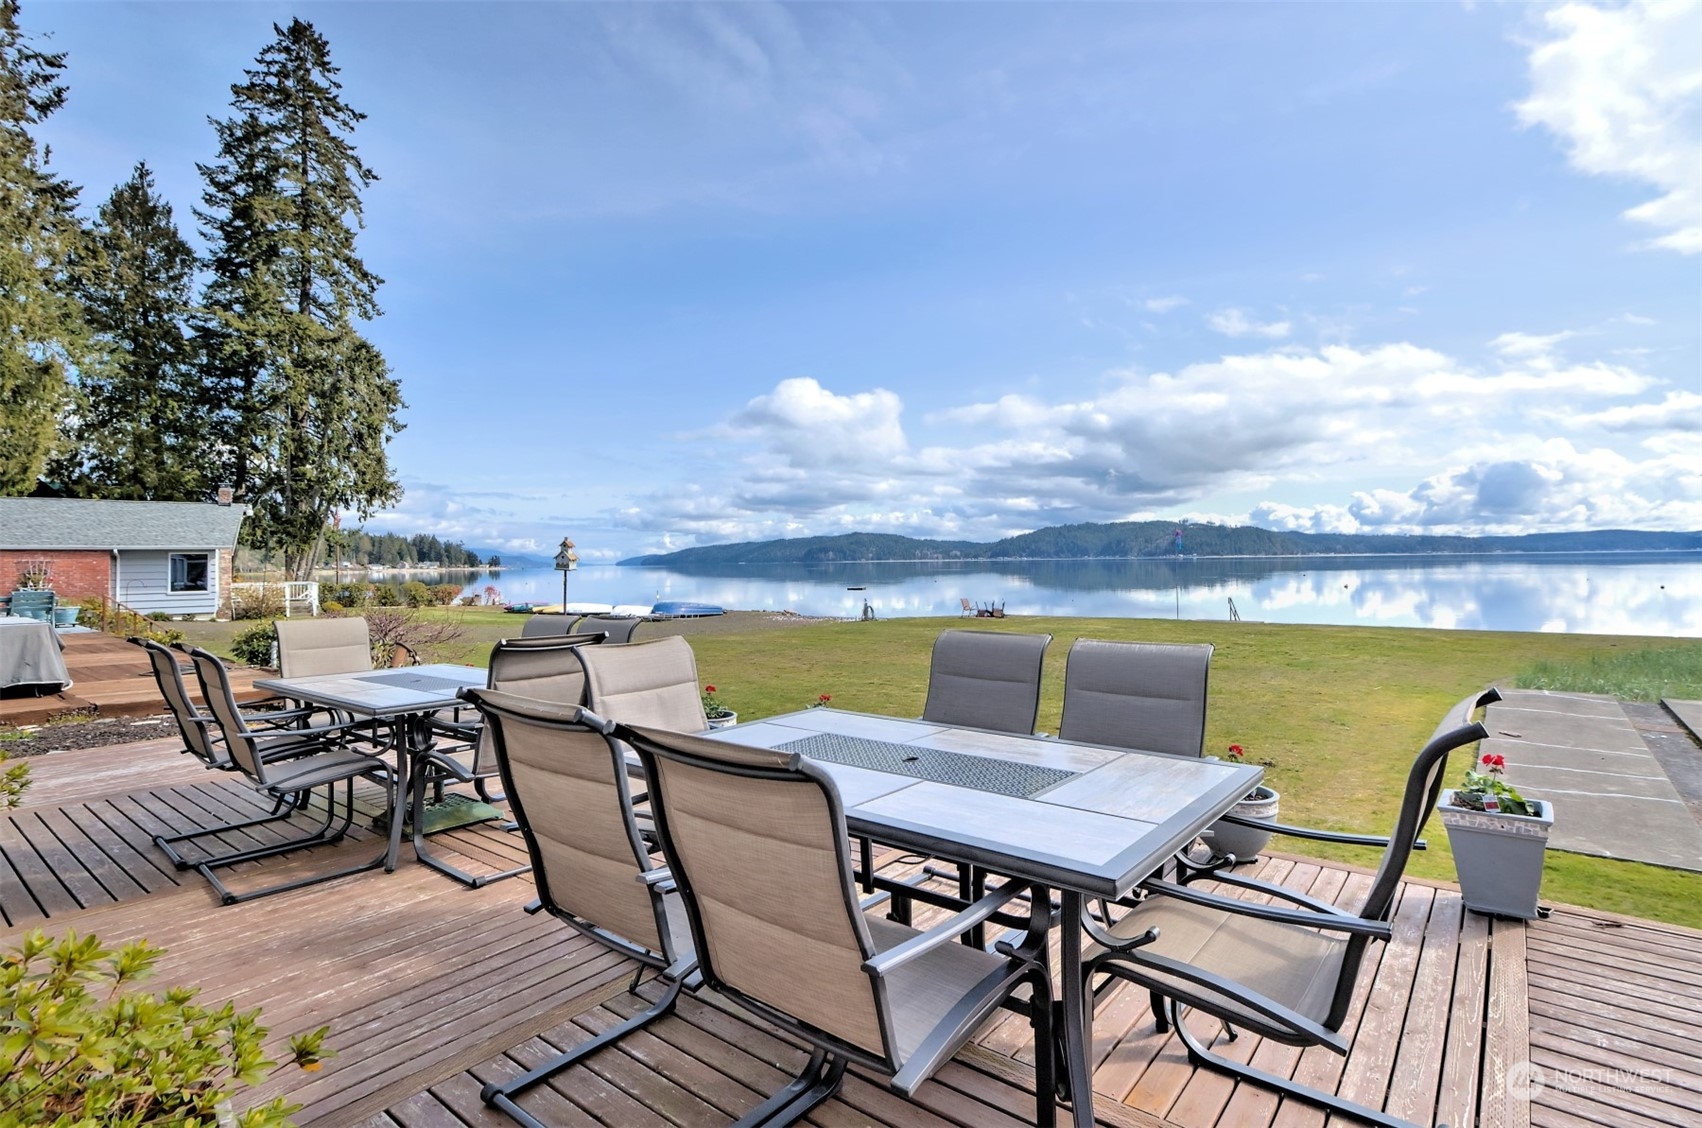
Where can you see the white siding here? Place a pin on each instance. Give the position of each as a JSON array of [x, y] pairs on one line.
[[144, 584]]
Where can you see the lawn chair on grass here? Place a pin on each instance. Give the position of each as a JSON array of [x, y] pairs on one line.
[[319, 759], [1285, 973], [567, 783], [756, 841]]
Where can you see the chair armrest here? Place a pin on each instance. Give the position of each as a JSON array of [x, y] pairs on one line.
[[661, 876], [1319, 835], [946, 931], [1253, 884], [1316, 915]]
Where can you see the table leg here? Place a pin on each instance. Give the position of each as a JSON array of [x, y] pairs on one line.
[[1077, 1016]]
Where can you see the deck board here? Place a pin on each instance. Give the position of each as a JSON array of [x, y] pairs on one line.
[[431, 989]]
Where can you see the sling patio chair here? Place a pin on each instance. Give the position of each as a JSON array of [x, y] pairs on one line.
[[1285, 973], [324, 760], [309, 647], [986, 680], [618, 630], [567, 782], [645, 683], [274, 738], [540, 669], [756, 842], [543, 626]]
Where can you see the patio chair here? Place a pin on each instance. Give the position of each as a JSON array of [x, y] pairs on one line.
[[309, 647], [968, 608], [322, 760], [567, 782], [542, 626], [986, 680], [1145, 695], [1285, 973], [645, 683], [756, 841], [538, 669], [29, 604], [618, 630]]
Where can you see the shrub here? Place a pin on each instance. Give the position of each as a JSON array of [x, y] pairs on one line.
[[263, 602], [416, 594], [445, 594], [386, 595], [389, 626], [332, 607], [469, 601], [349, 594], [160, 616], [253, 646], [85, 1048], [13, 782]]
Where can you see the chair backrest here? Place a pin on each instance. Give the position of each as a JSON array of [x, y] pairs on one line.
[[539, 626], [567, 786], [756, 841], [986, 680], [1146, 695], [221, 703], [543, 667], [28, 604], [191, 723], [618, 630], [645, 683], [308, 647]]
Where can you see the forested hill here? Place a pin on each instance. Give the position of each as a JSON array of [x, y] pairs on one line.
[[1153, 539]]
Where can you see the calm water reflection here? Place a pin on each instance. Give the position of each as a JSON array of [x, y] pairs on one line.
[[1629, 593]]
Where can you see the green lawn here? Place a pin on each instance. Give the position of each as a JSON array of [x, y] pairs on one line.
[[1334, 713]]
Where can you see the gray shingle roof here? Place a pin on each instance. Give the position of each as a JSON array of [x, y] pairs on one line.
[[51, 522]]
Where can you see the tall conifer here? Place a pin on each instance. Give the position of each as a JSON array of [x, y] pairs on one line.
[[312, 402], [142, 427], [43, 339]]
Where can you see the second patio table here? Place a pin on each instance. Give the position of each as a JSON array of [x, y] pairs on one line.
[[1086, 820], [406, 697]]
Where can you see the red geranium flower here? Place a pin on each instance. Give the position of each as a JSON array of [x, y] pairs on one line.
[[1235, 751]]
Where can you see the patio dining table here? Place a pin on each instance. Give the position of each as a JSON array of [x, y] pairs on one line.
[[1085, 820], [406, 697], [29, 654]]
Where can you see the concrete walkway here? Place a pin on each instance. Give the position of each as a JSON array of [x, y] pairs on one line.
[[1689, 714], [1611, 796]]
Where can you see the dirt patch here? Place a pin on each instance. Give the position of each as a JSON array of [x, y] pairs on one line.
[[77, 733]]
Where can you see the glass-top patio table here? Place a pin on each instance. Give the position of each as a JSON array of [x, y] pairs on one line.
[[406, 697], [1085, 820]]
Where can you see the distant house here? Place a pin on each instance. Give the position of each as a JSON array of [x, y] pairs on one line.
[[170, 556]]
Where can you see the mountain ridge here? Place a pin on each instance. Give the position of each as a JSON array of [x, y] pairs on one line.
[[1156, 540]]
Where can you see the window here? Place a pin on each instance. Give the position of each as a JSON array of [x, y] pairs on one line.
[[189, 571]]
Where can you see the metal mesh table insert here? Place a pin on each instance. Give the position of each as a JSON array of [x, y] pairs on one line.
[[402, 679], [982, 773]]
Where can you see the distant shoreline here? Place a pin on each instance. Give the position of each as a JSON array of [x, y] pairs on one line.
[[1187, 558]]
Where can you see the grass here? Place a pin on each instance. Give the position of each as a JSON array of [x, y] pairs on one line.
[[1644, 674], [1335, 714]]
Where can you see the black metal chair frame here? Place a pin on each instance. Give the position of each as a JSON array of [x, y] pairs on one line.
[[304, 745], [1122, 958]]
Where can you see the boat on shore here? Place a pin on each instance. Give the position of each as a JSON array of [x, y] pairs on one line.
[[683, 609]]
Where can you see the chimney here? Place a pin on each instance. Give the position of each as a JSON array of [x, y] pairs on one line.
[[225, 495]]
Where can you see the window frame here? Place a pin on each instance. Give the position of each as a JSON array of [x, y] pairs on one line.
[[185, 588]]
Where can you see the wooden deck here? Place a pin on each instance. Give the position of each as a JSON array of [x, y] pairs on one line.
[[431, 989], [109, 678]]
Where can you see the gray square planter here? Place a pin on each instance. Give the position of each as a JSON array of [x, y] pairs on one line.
[[1498, 857]]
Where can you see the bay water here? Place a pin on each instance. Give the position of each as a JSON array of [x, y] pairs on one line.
[[1601, 593]]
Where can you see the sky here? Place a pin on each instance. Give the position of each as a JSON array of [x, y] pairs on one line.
[[661, 275]]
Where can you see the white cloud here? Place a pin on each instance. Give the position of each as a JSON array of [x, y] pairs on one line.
[[1679, 411], [1236, 323], [1164, 305], [1620, 86], [1524, 344]]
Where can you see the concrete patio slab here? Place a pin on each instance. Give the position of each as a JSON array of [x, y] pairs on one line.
[[1612, 797]]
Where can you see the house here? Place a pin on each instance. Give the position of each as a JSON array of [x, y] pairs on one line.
[[170, 556]]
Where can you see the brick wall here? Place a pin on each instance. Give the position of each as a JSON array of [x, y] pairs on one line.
[[76, 574], [227, 575]]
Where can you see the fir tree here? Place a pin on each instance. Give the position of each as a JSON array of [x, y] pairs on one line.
[[142, 429], [312, 403], [44, 338]]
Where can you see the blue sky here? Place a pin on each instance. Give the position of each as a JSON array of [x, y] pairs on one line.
[[664, 275]]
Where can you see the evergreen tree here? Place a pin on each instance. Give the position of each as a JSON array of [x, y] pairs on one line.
[[312, 402], [142, 429], [44, 339]]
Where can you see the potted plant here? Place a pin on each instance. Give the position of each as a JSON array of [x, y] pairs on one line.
[[1498, 838], [719, 715], [1259, 805]]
